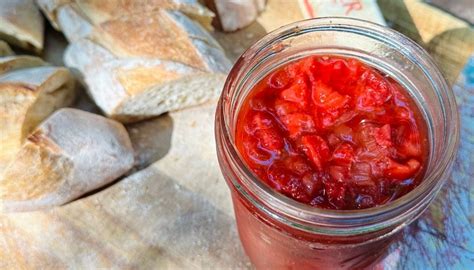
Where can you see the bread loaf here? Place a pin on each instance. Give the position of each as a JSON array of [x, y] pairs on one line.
[[70, 153], [140, 65], [131, 89], [21, 24], [29, 93], [235, 15], [164, 35], [11, 63], [100, 11], [161, 34]]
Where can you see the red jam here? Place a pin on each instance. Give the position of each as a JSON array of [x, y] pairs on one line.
[[334, 133]]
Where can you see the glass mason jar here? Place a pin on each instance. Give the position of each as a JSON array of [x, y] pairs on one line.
[[280, 233]]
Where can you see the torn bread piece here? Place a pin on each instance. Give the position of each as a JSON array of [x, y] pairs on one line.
[[141, 65], [27, 97], [5, 50], [70, 153], [132, 89], [50, 7], [74, 23], [21, 24], [11, 63], [99, 11], [235, 15]]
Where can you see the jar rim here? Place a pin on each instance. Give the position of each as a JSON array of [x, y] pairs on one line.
[[329, 221]]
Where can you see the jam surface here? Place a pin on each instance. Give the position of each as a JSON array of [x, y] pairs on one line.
[[334, 133]]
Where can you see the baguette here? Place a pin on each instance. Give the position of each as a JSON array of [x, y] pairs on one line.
[[27, 96], [21, 24], [11, 63], [235, 15], [162, 34], [74, 23], [133, 89], [143, 63], [70, 153], [100, 11]]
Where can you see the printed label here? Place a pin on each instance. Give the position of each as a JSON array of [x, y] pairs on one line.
[[361, 9]]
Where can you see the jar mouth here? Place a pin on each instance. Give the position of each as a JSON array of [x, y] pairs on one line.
[[327, 221]]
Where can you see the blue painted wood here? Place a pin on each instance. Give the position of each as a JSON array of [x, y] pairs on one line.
[[443, 238]]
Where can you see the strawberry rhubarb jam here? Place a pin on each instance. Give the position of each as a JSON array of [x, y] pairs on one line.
[[334, 133]]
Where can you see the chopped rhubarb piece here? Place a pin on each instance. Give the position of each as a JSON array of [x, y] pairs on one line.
[[339, 173], [336, 193], [298, 123], [345, 133], [383, 136], [407, 141], [316, 149], [399, 171]]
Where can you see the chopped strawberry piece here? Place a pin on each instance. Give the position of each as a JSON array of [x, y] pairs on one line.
[[400, 171], [288, 183], [324, 97], [297, 92], [260, 120], [263, 127], [326, 68], [295, 69], [333, 140], [309, 66], [332, 107], [316, 149], [298, 123], [361, 173], [374, 91], [259, 104], [343, 154], [280, 79], [256, 155], [297, 190], [283, 107], [279, 176], [270, 139]]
